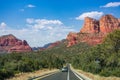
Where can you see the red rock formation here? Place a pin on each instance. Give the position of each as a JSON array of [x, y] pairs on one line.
[[91, 38], [11, 44], [90, 26], [119, 20], [108, 23], [94, 31], [72, 38]]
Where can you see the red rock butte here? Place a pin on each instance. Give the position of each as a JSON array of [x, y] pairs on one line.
[[93, 31], [9, 43]]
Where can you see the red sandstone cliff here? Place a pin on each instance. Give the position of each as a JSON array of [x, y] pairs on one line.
[[72, 38], [108, 23], [90, 26], [10, 43], [93, 31]]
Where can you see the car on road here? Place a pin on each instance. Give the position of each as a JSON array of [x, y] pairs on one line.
[[64, 69]]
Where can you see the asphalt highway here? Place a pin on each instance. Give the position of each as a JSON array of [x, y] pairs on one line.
[[70, 75]]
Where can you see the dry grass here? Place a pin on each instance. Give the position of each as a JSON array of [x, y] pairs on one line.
[[25, 76], [97, 77]]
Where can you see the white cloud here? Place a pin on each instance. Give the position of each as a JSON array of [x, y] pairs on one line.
[[39, 37], [92, 14], [30, 20], [27, 6], [52, 30], [3, 25], [112, 4], [31, 6], [43, 23]]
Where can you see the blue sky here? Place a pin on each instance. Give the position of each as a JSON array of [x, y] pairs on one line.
[[43, 21]]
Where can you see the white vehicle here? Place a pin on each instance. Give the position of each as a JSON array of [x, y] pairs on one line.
[[64, 69]]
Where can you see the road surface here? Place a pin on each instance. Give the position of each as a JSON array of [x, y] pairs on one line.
[[70, 75]]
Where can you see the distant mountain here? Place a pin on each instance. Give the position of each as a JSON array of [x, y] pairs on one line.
[[9, 43], [46, 45], [94, 31], [41, 48], [49, 45], [36, 48]]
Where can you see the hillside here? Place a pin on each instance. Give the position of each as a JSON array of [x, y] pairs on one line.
[[102, 59], [94, 31], [9, 43]]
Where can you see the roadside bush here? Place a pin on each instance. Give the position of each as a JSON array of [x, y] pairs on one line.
[[105, 72]]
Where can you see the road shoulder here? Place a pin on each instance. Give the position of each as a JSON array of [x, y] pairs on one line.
[[94, 77], [80, 74], [26, 76]]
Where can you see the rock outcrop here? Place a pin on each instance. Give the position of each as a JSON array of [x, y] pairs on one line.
[[90, 26], [93, 31], [72, 38], [10, 43], [108, 23]]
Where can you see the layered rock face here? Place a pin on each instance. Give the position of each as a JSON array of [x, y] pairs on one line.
[[72, 38], [108, 23], [90, 26], [10, 43], [93, 31]]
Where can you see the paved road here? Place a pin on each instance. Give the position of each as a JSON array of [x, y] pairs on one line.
[[57, 76], [63, 76]]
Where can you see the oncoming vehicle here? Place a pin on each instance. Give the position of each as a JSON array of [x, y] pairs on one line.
[[64, 69]]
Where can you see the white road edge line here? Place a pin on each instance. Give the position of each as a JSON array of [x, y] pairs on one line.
[[45, 76], [68, 76], [77, 75]]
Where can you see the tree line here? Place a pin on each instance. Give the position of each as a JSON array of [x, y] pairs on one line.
[[102, 59], [13, 63]]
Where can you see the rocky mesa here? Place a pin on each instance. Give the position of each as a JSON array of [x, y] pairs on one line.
[[9, 43], [93, 31]]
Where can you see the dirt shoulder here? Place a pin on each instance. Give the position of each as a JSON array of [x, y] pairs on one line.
[[26, 76], [96, 77]]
